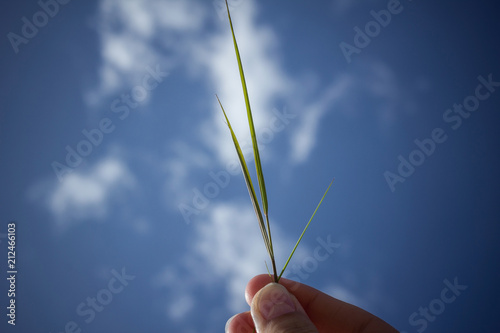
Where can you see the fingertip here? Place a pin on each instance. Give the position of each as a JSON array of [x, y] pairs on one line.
[[254, 285], [240, 323], [275, 309]]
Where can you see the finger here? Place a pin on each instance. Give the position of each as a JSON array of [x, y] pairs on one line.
[[275, 310], [324, 311], [240, 323]]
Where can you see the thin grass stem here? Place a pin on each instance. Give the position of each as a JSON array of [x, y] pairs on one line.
[[304, 231]]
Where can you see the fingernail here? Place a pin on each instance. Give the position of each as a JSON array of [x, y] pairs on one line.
[[274, 301]]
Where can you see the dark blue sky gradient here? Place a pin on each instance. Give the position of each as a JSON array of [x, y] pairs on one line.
[[119, 210]]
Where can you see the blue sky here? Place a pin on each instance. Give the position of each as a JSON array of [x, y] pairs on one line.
[[132, 215]]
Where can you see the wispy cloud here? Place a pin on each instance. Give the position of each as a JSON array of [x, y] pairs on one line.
[[304, 139], [84, 195], [266, 79], [134, 34]]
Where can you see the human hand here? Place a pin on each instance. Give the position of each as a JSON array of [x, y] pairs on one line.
[[295, 307]]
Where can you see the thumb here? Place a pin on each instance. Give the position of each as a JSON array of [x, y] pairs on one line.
[[275, 310]]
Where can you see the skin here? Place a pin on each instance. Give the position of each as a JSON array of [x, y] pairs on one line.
[[327, 313]]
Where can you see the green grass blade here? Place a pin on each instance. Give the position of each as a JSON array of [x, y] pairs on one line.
[[304, 231], [250, 187], [258, 165]]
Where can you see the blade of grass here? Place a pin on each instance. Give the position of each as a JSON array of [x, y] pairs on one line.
[[249, 184], [258, 166], [304, 231]]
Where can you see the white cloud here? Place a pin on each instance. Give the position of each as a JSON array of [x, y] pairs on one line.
[[179, 15], [134, 12], [265, 77], [125, 52], [180, 307], [129, 29], [127, 49], [231, 245], [227, 247], [351, 96], [84, 195], [268, 82], [304, 139]]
